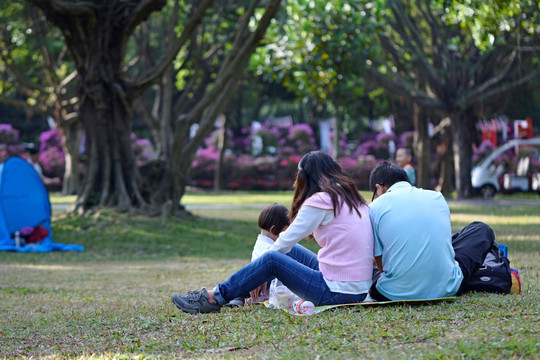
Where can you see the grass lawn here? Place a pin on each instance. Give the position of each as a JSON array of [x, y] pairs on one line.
[[112, 301]]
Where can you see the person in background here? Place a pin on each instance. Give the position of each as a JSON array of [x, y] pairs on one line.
[[33, 159], [327, 205], [404, 159]]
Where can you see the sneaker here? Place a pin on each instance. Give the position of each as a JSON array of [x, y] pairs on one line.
[[236, 302], [195, 302]]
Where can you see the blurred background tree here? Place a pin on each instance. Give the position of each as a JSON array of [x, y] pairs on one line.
[[178, 66]]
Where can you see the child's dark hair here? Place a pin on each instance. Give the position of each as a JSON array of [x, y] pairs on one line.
[[275, 215]]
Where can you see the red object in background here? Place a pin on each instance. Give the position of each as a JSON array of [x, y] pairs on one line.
[[37, 235], [523, 129], [489, 133]]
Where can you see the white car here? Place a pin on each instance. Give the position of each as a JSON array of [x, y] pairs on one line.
[[485, 175]]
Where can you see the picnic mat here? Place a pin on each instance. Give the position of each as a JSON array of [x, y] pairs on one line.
[[319, 309]]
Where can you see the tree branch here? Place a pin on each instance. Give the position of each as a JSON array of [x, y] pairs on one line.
[[61, 7], [415, 43], [21, 104], [401, 87], [239, 56], [141, 12], [157, 71], [492, 80], [501, 89]]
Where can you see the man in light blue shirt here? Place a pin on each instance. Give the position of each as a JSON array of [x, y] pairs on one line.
[[413, 239]]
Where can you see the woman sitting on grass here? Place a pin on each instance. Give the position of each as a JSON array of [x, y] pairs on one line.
[[327, 205]]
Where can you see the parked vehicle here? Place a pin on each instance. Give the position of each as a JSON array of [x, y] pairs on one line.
[[489, 178]]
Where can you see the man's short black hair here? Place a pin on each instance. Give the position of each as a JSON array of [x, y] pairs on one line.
[[387, 174]]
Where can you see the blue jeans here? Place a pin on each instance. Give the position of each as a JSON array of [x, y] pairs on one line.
[[298, 270]]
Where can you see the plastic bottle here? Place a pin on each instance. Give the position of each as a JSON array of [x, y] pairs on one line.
[[18, 242], [303, 307]]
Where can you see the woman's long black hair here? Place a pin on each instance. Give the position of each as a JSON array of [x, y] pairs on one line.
[[318, 172]]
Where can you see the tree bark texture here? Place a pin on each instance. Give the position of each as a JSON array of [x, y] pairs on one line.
[[446, 164], [96, 34], [462, 146], [422, 148], [212, 90], [72, 133], [221, 146]]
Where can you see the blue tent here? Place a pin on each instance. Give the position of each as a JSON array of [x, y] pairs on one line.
[[24, 202]]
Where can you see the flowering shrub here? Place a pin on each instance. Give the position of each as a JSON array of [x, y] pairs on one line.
[[8, 135], [8, 142], [301, 138], [52, 162], [359, 169], [406, 139], [366, 147], [51, 155], [142, 150], [276, 167], [272, 167], [272, 138], [48, 139], [485, 148]]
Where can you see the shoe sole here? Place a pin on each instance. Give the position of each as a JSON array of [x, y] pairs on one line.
[[180, 304]]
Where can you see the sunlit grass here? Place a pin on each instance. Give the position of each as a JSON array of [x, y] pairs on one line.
[[58, 198], [112, 301], [497, 219], [238, 197]]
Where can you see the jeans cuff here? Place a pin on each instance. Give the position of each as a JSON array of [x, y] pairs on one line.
[[218, 297]]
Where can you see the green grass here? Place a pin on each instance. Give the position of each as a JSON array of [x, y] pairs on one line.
[[112, 300]]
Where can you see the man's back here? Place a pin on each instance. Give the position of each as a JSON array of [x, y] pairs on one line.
[[413, 235]]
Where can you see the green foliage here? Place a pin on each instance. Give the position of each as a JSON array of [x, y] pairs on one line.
[[32, 59], [316, 49], [489, 21]]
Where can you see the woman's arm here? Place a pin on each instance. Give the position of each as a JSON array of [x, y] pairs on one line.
[[307, 220]]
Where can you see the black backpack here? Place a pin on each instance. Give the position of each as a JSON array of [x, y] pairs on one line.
[[494, 275]]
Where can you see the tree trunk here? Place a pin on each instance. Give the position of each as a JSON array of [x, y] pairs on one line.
[[106, 110], [111, 177], [462, 146], [71, 142], [96, 35], [337, 128], [167, 86], [422, 145], [221, 145], [335, 140], [446, 169]]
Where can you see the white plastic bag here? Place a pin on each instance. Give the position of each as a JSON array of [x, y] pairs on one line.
[[280, 296]]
